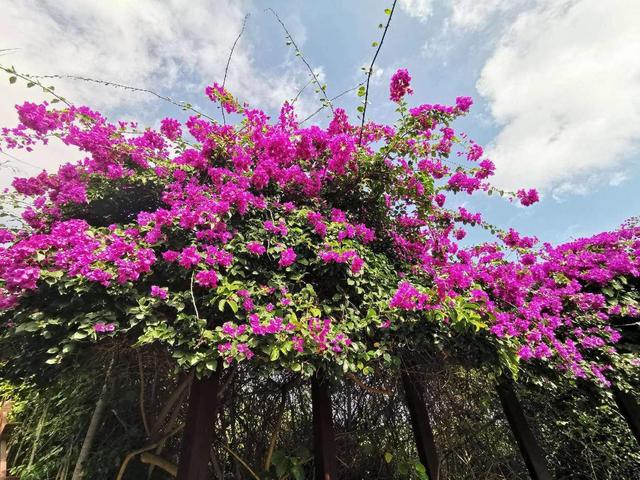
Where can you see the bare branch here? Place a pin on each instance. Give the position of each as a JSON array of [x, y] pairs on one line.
[[295, 99], [177, 103], [332, 98], [321, 88], [370, 72], [364, 386], [34, 81], [226, 68]]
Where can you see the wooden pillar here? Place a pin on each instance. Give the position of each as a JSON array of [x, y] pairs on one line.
[[199, 429], [5, 432], [630, 410], [529, 447], [324, 446], [421, 425]]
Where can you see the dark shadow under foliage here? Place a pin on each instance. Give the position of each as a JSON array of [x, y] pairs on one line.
[[266, 420]]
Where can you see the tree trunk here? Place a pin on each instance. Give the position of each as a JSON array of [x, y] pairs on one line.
[[425, 443], [324, 447], [630, 410], [94, 425], [529, 447], [199, 429]]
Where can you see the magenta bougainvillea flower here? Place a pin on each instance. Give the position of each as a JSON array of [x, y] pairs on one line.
[[400, 85]]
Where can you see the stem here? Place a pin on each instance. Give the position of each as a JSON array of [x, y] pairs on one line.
[[276, 431], [143, 413], [37, 439], [173, 399], [241, 461], [94, 425], [131, 455], [160, 462]]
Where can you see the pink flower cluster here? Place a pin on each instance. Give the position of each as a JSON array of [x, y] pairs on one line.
[[400, 85], [347, 256], [264, 182]]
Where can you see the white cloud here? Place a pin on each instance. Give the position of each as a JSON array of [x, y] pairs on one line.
[[587, 184], [618, 178], [420, 9], [474, 14], [564, 83], [167, 46]]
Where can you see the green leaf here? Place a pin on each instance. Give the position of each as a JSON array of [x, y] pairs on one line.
[[281, 469], [388, 457], [211, 365], [79, 335], [421, 471], [12, 80], [375, 44], [275, 354], [27, 327], [297, 472], [234, 305]]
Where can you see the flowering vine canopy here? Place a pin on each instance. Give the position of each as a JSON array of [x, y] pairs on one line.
[[287, 244]]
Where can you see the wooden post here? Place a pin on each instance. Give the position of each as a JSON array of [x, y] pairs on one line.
[[630, 410], [529, 447], [324, 446], [421, 425], [5, 432], [199, 429]]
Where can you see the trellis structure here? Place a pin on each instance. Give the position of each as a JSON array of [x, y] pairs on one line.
[[204, 407], [529, 447]]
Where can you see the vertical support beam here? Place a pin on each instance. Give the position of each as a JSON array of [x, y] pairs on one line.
[[199, 429], [630, 410], [3, 456], [5, 408], [5, 432], [529, 447], [324, 446], [421, 425]]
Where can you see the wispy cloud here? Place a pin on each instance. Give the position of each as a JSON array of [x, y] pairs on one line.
[[420, 9], [169, 46], [476, 15]]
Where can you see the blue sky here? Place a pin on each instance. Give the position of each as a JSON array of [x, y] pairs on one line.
[[556, 83]]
